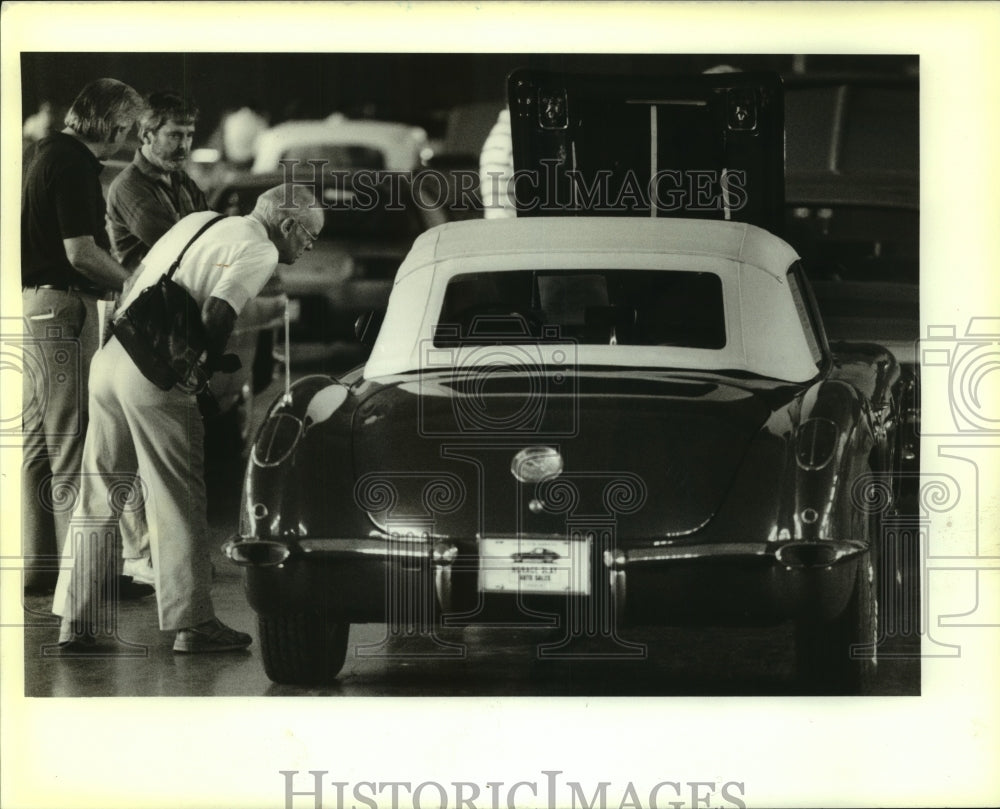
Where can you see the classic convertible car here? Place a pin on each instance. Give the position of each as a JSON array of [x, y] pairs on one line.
[[614, 421]]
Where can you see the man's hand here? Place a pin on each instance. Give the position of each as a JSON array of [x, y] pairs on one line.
[[130, 282], [224, 363]]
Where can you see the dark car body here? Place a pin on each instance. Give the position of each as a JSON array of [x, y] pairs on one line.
[[607, 412], [664, 470]]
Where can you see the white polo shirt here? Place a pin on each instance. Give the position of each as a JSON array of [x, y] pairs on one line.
[[232, 260]]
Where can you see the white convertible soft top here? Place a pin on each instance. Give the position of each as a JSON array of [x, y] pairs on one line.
[[765, 326]]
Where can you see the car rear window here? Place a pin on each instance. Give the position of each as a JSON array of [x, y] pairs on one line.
[[595, 307]]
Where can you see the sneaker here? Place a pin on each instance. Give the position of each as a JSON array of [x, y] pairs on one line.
[[210, 636]]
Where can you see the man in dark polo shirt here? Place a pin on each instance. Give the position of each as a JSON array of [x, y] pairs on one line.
[[145, 200], [154, 193], [65, 269]]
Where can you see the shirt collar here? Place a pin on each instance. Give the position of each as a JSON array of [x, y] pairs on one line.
[[148, 168], [258, 226]]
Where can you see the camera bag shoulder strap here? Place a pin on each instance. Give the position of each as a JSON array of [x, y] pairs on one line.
[[193, 239], [148, 327]]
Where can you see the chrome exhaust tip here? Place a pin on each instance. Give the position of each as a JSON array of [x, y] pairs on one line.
[[818, 554], [256, 553]]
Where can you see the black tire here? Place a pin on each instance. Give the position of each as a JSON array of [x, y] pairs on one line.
[[839, 656], [302, 648]]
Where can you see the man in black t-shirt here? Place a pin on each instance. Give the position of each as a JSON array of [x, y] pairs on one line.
[[65, 269]]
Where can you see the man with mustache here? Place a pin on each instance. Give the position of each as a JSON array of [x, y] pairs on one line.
[[154, 193], [148, 198]]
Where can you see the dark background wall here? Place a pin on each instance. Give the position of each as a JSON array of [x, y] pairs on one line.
[[417, 88]]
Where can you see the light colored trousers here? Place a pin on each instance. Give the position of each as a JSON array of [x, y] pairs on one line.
[[60, 341], [61, 338], [137, 428]]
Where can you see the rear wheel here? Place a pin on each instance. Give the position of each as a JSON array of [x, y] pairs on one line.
[[302, 648], [839, 656]]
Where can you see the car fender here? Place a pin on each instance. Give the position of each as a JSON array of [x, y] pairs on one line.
[[299, 466], [831, 448]]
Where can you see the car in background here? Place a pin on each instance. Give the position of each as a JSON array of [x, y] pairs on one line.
[[343, 143], [349, 271], [457, 157], [852, 211], [610, 421]]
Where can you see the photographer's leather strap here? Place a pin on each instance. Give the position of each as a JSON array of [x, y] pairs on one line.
[[202, 229]]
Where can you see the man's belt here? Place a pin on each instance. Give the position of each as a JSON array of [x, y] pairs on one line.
[[83, 290]]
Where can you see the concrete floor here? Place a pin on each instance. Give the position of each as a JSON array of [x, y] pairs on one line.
[[477, 661]]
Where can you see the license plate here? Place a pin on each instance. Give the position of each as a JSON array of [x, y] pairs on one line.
[[534, 566]]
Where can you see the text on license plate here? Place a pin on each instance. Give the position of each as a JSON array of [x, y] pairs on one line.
[[534, 566]]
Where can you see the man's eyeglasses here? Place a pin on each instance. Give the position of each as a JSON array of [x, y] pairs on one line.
[[312, 239]]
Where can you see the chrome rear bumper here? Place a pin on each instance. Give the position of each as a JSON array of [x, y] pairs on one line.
[[669, 584]]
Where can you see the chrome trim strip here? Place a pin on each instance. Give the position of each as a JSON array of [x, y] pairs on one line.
[[613, 559], [367, 547], [675, 553], [679, 552]]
